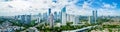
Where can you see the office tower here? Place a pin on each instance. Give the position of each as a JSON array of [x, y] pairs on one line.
[[71, 18], [63, 16], [59, 16], [55, 16], [39, 18], [27, 19], [49, 11], [22, 19], [68, 18], [45, 16], [89, 19], [16, 17], [94, 17], [77, 19], [51, 20]]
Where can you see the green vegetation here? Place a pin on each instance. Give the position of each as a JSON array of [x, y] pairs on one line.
[[46, 28], [58, 21], [1, 21], [16, 23], [102, 27]]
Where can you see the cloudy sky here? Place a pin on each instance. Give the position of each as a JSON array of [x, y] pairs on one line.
[[78, 7]]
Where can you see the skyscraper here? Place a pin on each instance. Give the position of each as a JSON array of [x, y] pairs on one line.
[[77, 19], [64, 16], [51, 20], [25, 19], [39, 18], [49, 11], [55, 15], [94, 17], [68, 17], [22, 19]]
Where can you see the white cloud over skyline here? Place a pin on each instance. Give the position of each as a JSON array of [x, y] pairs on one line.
[[20, 7]]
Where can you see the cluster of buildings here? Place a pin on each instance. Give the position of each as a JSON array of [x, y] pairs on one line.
[[50, 18], [7, 27]]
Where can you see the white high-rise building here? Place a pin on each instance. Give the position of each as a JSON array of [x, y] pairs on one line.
[[39, 20], [72, 18], [64, 19], [68, 18], [51, 20], [76, 20]]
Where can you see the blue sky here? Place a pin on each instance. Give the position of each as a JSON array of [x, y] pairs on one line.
[[99, 3], [77, 7]]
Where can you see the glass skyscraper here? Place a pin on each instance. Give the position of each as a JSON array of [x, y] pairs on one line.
[[49, 11], [94, 17], [25, 19]]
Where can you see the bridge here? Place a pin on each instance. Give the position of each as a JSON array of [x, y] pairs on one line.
[[80, 30]]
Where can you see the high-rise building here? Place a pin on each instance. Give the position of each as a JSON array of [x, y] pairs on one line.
[[39, 18], [94, 17], [59, 16], [22, 19], [49, 11], [45, 16], [16, 17], [25, 19], [64, 16], [51, 20], [55, 15], [77, 19], [68, 17]]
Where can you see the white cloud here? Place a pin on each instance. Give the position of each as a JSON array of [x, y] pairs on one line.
[[41, 6], [109, 5], [107, 12]]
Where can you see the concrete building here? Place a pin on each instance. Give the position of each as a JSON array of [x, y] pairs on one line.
[[77, 21], [64, 16], [39, 18], [51, 20], [74, 19], [68, 17]]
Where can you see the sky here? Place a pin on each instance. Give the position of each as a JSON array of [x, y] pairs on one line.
[[76, 7]]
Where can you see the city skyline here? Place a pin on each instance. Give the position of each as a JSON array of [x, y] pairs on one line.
[[78, 7]]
